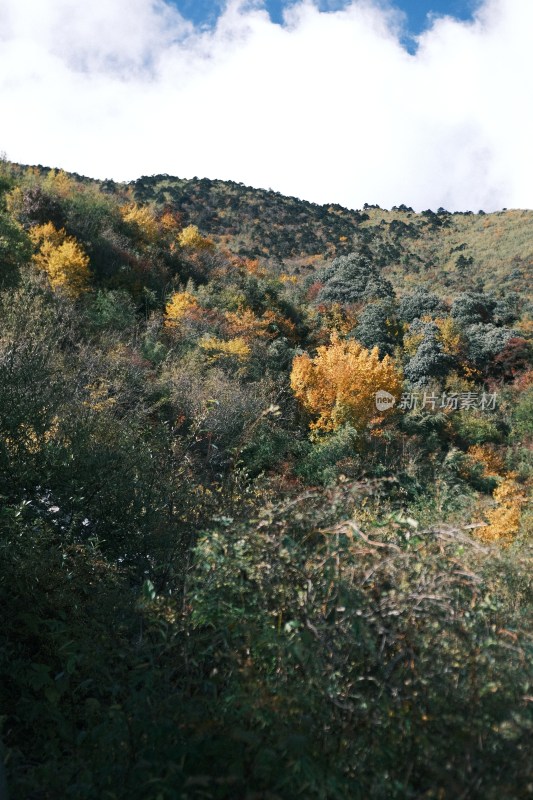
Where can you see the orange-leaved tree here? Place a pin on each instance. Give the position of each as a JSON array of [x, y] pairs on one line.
[[62, 258], [339, 385], [247, 325]]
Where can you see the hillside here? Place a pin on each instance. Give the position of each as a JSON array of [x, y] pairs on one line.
[[265, 481], [444, 249], [449, 251]]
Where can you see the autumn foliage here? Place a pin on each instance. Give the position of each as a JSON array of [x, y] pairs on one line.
[[220, 349], [339, 385], [62, 258], [202, 597], [179, 305], [191, 238], [143, 220], [504, 519]]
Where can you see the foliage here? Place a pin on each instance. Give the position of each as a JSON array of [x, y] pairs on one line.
[[430, 359], [329, 457], [450, 336], [15, 250], [504, 520], [419, 304], [377, 327], [339, 385], [62, 259], [380, 632], [354, 278], [112, 310], [477, 427], [523, 415], [218, 349], [485, 341], [471, 308], [143, 220], [35, 206], [489, 457], [178, 306], [190, 237], [200, 599]]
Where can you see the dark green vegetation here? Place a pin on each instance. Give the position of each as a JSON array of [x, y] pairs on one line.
[[199, 599]]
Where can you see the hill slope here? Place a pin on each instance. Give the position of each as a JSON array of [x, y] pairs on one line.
[[449, 251], [445, 249], [261, 535]]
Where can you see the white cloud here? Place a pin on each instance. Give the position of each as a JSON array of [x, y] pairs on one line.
[[329, 107]]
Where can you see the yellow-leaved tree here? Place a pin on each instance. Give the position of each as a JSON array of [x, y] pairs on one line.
[[143, 219], [339, 385], [221, 350], [489, 457], [504, 519], [179, 305], [246, 325], [191, 238], [59, 183], [62, 258]]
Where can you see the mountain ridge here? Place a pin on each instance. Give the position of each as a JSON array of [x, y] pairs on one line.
[[449, 250]]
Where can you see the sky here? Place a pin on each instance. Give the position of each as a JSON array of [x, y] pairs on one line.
[[335, 101], [418, 13]]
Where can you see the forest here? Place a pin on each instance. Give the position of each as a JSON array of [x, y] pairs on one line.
[[265, 479]]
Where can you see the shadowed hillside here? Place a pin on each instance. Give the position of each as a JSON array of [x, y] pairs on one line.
[[265, 478]]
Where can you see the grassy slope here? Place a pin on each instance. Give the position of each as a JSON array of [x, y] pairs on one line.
[[299, 236], [500, 244]]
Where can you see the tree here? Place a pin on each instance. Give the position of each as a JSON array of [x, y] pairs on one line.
[[113, 310], [34, 206], [354, 278], [463, 263], [191, 238], [339, 385], [485, 342], [221, 350], [430, 359], [470, 308], [513, 359], [143, 220], [504, 519], [62, 258], [420, 303], [179, 305], [377, 327], [507, 310]]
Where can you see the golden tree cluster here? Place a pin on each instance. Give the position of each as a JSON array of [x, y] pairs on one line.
[[221, 349], [190, 238], [490, 458], [143, 219], [339, 385], [180, 305], [62, 258], [504, 518]]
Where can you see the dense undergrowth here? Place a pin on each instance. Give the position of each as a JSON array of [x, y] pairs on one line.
[[226, 571]]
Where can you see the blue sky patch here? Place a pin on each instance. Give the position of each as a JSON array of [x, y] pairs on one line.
[[419, 12]]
